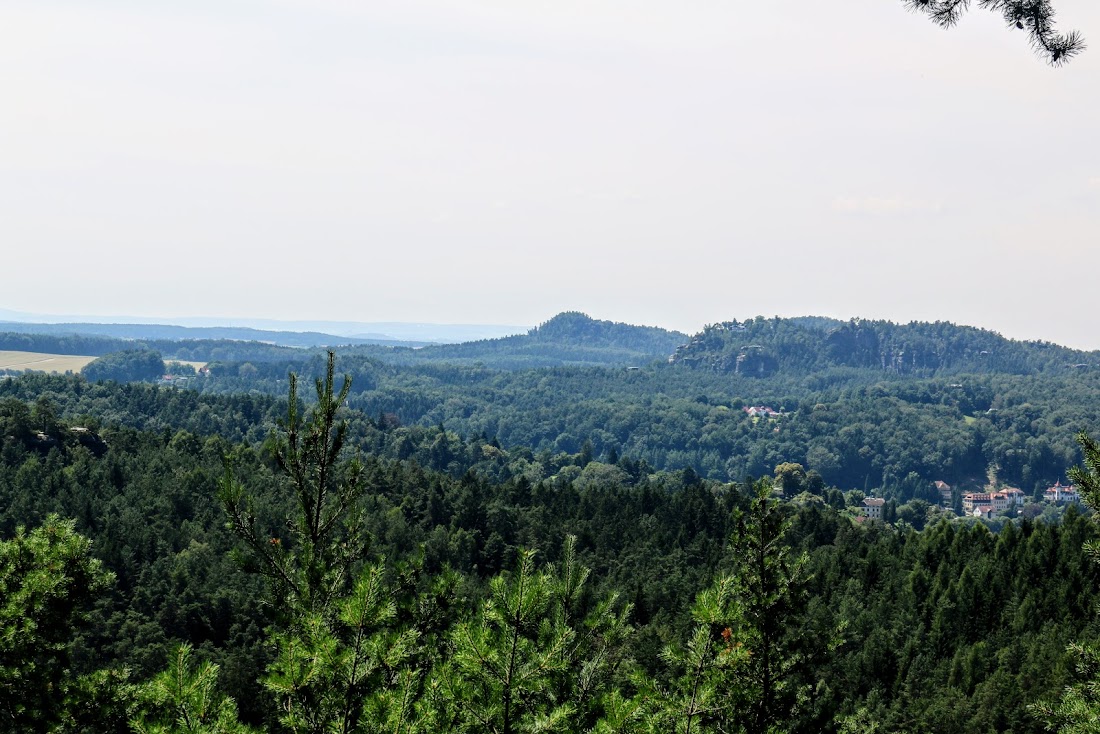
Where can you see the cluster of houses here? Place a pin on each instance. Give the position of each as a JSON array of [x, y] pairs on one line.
[[983, 504], [170, 379], [761, 410]]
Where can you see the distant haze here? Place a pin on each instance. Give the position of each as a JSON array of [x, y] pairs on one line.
[[399, 331], [489, 162]]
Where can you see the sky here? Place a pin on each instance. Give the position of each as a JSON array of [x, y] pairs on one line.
[[494, 161]]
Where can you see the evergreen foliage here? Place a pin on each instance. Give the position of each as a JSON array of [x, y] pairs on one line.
[[337, 650], [326, 538], [184, 699], [951, 629], [1078, 711], [1034, 16], [530, 660], [48, 580]]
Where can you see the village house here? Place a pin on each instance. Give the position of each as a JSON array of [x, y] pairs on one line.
[[872, 508], [983, 511], [945, 492]]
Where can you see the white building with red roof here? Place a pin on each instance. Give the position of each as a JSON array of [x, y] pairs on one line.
[[1060, 493]]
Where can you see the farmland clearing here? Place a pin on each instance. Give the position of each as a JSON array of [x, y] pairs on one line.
[[42, 362]]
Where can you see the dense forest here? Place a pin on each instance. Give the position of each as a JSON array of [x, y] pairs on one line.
[[860, 410], [468, 547], [762, 347]]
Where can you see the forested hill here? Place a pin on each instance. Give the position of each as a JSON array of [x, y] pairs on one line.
[[993, 405], [570, 338], [762, 347]]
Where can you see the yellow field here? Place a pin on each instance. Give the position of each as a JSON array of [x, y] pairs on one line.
[[53, 362], [42, 362]]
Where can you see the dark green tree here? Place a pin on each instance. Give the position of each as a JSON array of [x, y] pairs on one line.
[[1078, 711], [184, 699], [131, 365], [531, 659], [340, 653], [48, 579], [735, 674], [327, 535], [770, 579], [791, 477]]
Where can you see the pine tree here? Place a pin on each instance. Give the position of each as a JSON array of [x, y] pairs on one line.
[[184, 700], [327, 535], [47, 581], [343, 664], [704, 693], [330, 671], [734, 674], [769, 590], [531, 660]]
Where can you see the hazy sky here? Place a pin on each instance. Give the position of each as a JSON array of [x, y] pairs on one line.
[[661, 162]]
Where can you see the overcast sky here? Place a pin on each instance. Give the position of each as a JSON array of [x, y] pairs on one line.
[[658, 162]]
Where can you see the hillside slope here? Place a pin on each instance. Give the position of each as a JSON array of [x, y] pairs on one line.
[[570, 338]]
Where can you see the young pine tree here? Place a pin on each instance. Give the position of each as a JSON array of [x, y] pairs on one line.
[[531, 660], [343, 663], [184, 699]]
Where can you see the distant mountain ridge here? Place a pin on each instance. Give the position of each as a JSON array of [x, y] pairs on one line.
[[366, 331], [756, 347], [304, 339], [762, 347]]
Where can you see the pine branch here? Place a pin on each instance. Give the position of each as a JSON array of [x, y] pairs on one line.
[[1034, 16]]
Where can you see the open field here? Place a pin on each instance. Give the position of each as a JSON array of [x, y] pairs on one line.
[[53, 362], [42, 362]]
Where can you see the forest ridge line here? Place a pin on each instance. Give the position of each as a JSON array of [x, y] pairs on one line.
[[759, 346]]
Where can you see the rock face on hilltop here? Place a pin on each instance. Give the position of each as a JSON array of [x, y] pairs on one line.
[[762, 347]]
